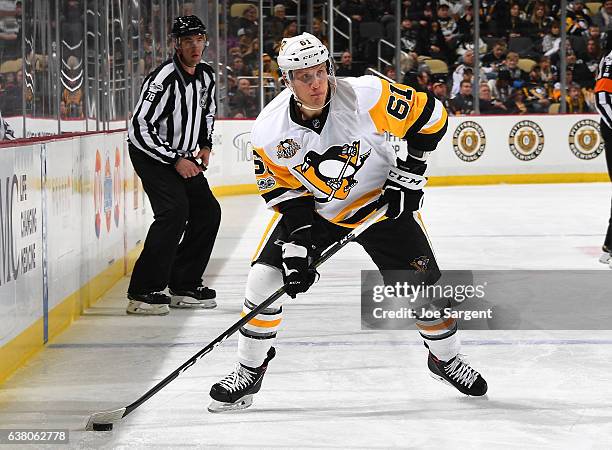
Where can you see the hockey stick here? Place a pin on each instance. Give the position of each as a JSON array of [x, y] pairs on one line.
[[104, 420]]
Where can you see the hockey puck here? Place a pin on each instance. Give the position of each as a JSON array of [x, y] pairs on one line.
[[102, 426]]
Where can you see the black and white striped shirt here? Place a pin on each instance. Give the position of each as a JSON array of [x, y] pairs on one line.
[[175, 112]]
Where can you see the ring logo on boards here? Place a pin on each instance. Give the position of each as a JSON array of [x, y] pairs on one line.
[[103, 193], [469, 141], [244, 147], [526, 140], [117, 187], [585, 140]]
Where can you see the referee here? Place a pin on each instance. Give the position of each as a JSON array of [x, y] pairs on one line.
[[170, 139], [603, 100]]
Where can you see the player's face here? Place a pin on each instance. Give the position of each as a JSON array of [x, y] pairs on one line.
[[311, 85], [191, 49]]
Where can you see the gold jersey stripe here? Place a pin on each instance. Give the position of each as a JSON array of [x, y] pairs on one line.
[[262, 323], [266, 234], [363, 200], [447, 325], [436, 126]]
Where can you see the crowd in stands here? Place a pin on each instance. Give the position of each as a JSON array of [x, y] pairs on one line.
[[519, 51]]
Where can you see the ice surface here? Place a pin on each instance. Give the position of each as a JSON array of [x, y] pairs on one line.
[[333, 385]]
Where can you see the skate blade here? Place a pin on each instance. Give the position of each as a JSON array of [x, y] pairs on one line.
[[179, 303], [154, 310], [243, 403], [606, 258], [443, 380]]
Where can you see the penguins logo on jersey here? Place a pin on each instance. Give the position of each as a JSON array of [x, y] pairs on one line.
[[420, 264], [333, 172], [287, 149]]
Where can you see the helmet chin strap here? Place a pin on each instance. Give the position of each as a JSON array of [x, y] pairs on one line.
[[301, 104]]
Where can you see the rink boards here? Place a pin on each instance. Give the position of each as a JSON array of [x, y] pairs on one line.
[[69, 231], [73, 212]]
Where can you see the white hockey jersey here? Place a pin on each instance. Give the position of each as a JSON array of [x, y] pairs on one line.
[[342, 157]]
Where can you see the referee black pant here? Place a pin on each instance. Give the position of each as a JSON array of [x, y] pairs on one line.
[[181, 207], [606, 133]]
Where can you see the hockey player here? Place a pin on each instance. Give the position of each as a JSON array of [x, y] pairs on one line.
[[603, 99], [323, 164]]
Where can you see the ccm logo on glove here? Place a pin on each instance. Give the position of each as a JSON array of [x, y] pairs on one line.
[[407, 179]]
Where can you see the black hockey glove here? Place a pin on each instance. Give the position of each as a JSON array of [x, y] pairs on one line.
[[297, 276], [403, 189]]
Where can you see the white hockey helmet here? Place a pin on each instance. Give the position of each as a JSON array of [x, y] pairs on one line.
[[301, 52]]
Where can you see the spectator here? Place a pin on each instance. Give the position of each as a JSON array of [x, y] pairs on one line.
[[270, 67], [346, 69], [390, 73], [501, 87], [10, 39], [516, 104], [463, 104], [290, 30], [234, 52], [410, 36], [494, 59], [251, 55], [238, 67], [540, 22], [245, 42], [11, 98], [411, 9], [6, 132], [594, 32], [244, 102], [419, 79], [457, 8], [440, 90], [517, 74], [458, 74], [275, 25], [488, 104], [466, 23], [498, 17], [578, 18], [433, 43], [448, 25], [552, 40], [548, 72], [466, 42], [355, 9], [580, 72], [516, 25], [248, 21], [535, 91], [556, 93], [576, 103], [603, 18], [317, 30], [592, 56]]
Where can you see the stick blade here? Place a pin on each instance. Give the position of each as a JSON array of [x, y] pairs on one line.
[[103, 417]]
